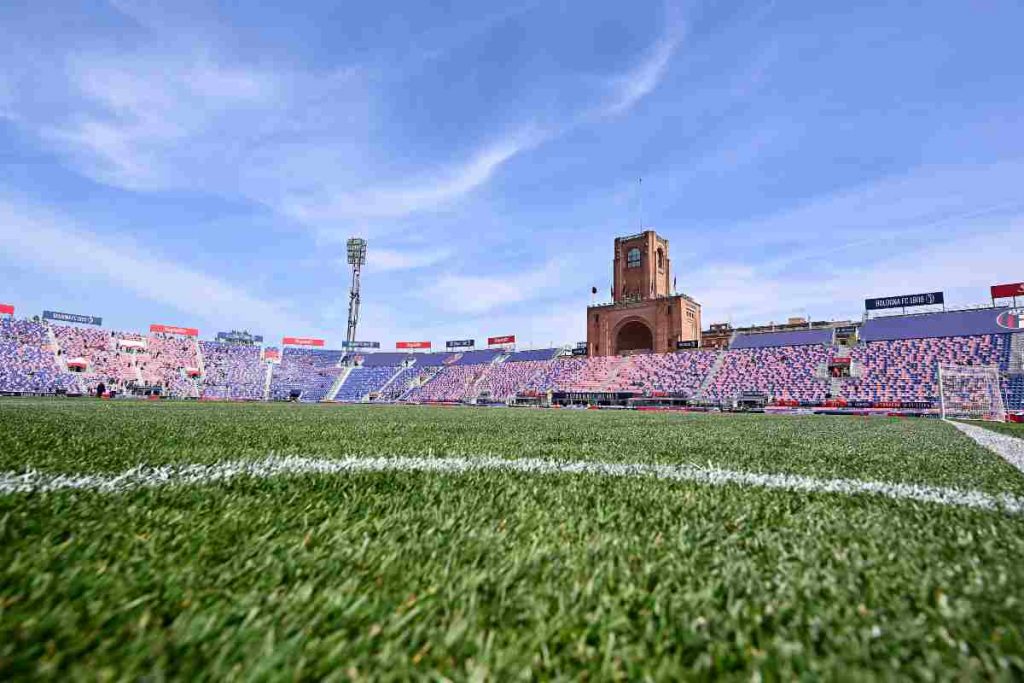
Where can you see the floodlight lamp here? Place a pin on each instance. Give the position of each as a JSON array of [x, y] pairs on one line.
[[356, 251]]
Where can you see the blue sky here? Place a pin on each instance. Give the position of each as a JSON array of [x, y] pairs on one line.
[[202, 164]]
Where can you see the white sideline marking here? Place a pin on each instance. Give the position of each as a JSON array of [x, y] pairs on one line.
[[178, 475], [1009, 448]]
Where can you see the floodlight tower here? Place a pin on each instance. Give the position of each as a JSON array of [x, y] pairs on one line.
[[356, 259]]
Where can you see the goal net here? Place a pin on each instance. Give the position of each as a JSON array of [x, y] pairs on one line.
[[971, 392]]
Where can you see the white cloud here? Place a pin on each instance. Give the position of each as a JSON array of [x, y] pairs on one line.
[[61, 249], [387, 260], [963, 267], [441, 188], [630, 88], [153, 122], [474, 294]]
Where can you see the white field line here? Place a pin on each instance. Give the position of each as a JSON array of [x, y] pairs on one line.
[[1009, 448], [275, 466]]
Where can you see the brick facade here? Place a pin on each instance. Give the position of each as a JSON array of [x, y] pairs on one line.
[[645, 315]]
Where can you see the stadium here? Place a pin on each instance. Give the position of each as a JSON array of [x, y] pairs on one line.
[[429, 541], [948, 363], [272, 400]]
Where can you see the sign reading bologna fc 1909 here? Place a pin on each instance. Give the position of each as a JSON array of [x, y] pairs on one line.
[[1006, 291], [1012, 319], [172, 329], [460, 343], [72, 318], [507, 339], [360, 345], [906, 300], [688, 344]]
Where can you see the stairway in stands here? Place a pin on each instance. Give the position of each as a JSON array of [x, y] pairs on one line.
[[267, 380], [57, 358], [483, 382], [415, 384], [710, 377], [332, 393], [200, 363], [615, 371], [398, 371]]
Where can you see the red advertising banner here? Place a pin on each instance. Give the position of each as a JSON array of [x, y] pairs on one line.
[[412, 345], [271, 354], [1003, 291], [507, 339], [171, 329], [302, 341], [6, 309]]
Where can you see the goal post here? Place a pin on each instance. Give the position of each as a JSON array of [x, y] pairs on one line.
[[971, 392]]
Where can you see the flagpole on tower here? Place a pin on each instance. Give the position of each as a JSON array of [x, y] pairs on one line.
[[640, 202]]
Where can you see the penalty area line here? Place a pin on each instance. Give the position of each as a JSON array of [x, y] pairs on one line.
[[1009, 448], [143, 476]]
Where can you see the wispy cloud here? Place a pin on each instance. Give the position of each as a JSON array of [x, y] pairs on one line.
[[61, 249], [388, 260], [474, 294], [420, 194], [629, 88], [963, 266], [144, 120]]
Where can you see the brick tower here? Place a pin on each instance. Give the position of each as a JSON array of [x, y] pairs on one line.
[[645, 316]]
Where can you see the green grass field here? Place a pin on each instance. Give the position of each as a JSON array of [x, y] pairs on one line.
[[497, 574]]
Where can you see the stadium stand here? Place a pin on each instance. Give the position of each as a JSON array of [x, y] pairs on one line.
[[453, 383], [477, 357], [671, 373], [896, 361], [764, 340], [1014, 392], [113, 357], [906, 369], [27, 360], [786, 373], [365, 380], [168, 362], [536, 354], [233, 371], [370, 360], [507, 379], [408, 378], [424, 360], [311, 372], [926, 325], [560, 376]]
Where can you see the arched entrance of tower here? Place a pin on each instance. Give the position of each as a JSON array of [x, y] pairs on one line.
[[633, 336]]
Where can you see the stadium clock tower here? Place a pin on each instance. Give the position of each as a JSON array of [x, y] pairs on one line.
[[646, 315]]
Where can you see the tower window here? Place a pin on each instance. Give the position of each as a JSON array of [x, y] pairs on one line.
[[633, 258], [661, 260]]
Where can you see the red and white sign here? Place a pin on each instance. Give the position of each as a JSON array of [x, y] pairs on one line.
[[6, 309], [507, 339], [302, 341], [412, 345], [1004, 291], [1012, 319], [171, 329]]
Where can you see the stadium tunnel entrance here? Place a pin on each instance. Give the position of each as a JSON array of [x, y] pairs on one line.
[[634, 336]]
